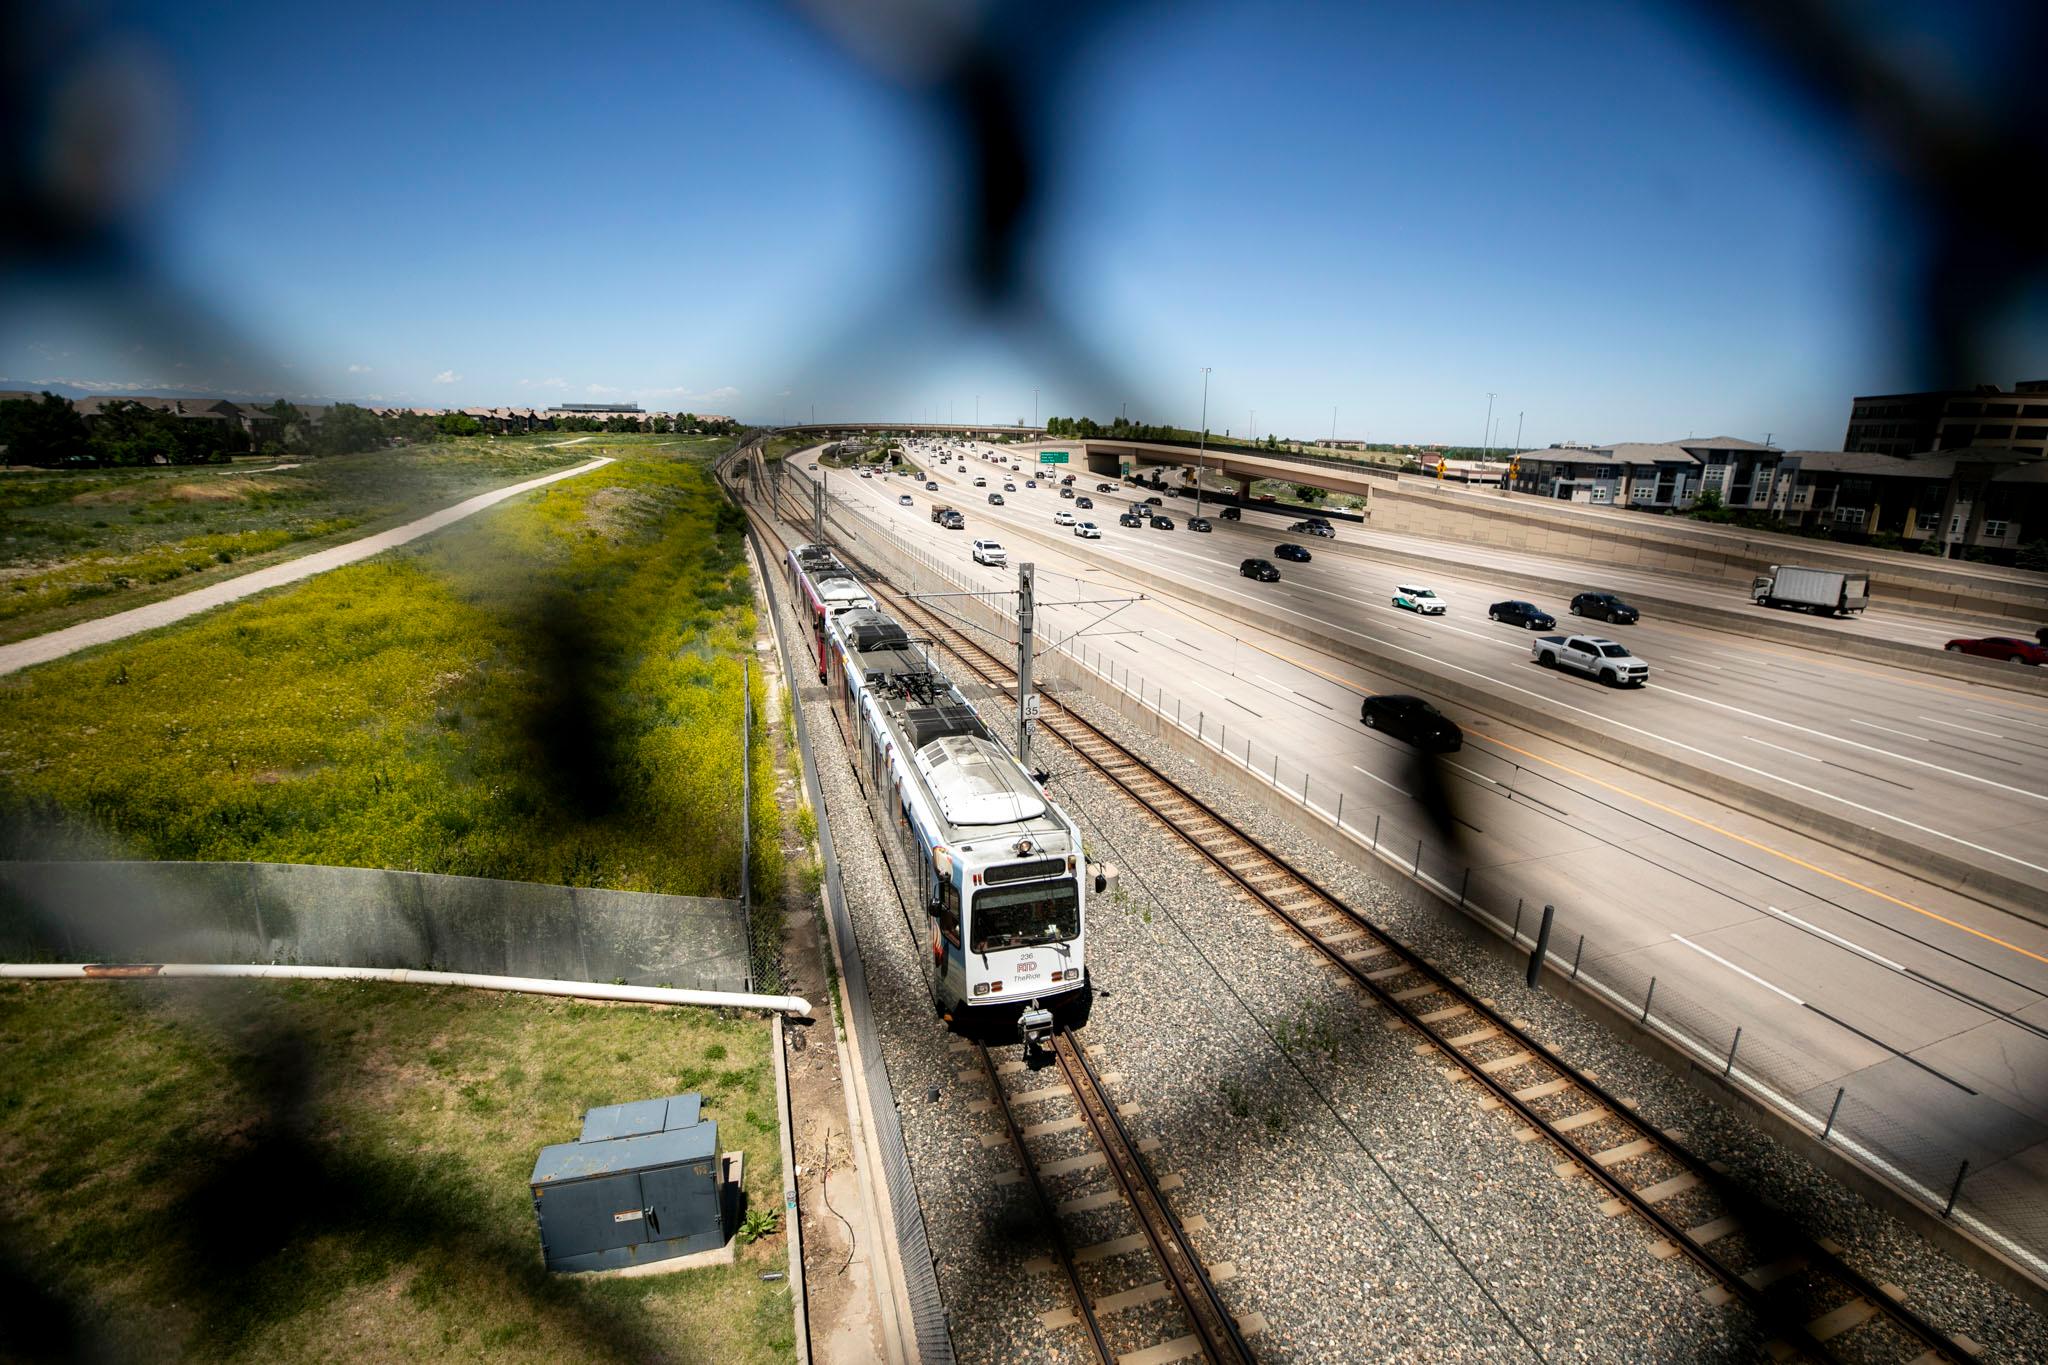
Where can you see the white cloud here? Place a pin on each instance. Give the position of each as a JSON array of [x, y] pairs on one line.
[[684, 391], [359, 369], [446, 377], [599, 388]]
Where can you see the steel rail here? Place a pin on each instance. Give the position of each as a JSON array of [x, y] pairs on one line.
[[1215, 1327], [1103, 1353]]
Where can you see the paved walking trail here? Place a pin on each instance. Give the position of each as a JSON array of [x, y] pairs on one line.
[[55, 645]]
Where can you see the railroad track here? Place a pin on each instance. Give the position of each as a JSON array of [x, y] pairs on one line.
[[1214, 1334], [1811, 1302]]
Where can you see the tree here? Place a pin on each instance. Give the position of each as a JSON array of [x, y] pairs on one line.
[[42, 431], [348, 428], [1308, 492], [2033, 556], [457, 424], [290, 433]]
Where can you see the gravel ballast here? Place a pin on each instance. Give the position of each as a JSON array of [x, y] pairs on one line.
[[1368, 1207]]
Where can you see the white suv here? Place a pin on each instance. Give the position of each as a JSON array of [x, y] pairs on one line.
[[992, 553], [1063, 518], [1416, 598], [1086, 530]]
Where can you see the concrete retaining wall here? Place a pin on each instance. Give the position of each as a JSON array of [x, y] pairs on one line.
[[366, 917]]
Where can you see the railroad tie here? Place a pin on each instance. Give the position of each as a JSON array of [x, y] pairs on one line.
[[1626, 1151], [1714, 1231], [1183, 1348], [1851, 1314], [1103, 1199]]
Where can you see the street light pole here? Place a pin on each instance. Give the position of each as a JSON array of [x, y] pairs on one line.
[[1202, 446], [1489, 427], [1034, 407], [1518, 433]]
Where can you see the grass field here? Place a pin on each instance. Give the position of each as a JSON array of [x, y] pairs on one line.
[[84, 543], [548, 692], [253, 1171]]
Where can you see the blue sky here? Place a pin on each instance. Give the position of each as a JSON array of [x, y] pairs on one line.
[[1601, 218]]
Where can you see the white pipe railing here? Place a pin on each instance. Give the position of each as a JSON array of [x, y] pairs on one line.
[[525, 985]]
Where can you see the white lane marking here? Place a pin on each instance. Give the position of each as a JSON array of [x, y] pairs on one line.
[[1381, 780], [1966, 729], [1277, 687], [1227, 589], [1855, 948], [1472, 773], [2010, 720], [1783, 750], [1904, 734], [1739, 971], [1696, 663], [1854, 744]]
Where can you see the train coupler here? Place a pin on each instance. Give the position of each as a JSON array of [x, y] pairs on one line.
[[1034, 1027]]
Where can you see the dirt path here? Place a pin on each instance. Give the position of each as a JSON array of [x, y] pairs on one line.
[[56, 644]]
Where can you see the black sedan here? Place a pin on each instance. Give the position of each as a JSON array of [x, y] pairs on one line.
[[1156, 502], [1414, 720], [1084, 502], [1162, 523], [1260, 569], [1199, 524], [1293, 552], [1605, 606], [1522, 614]]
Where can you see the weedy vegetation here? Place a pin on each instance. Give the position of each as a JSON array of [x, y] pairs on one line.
[[257, 1171], [549, 692], [76, 544]]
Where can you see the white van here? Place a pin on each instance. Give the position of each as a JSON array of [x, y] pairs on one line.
[[991, 552], [981, 483]]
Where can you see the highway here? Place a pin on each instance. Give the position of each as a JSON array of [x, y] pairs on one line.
[[1842, 972]]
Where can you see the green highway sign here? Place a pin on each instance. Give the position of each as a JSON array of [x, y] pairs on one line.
[[1052, 457]]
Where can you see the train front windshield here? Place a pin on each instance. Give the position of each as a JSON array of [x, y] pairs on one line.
[[1025, 916]]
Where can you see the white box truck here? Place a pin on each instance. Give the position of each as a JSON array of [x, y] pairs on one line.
[[1821, 590]]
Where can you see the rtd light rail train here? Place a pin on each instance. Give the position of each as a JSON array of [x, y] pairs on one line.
[[826, 588], [995, 866]]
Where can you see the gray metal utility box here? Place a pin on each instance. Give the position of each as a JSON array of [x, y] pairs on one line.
[[643, 1183]]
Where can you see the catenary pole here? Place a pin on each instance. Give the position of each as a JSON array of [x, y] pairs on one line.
[[1024, 693]]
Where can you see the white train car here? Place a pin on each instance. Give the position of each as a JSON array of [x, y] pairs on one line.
[[996, 868], [823, 588]]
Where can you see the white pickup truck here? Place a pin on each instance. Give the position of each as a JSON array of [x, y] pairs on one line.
[[1596, 658]]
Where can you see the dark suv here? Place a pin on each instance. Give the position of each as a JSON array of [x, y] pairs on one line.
[[1605, 606], [1130, 519], [1412, 719], [1199, 524], [1522, 614], [1231, 514], [1260, 569]]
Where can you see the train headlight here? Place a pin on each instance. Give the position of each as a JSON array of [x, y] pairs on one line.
[[981, 988]]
